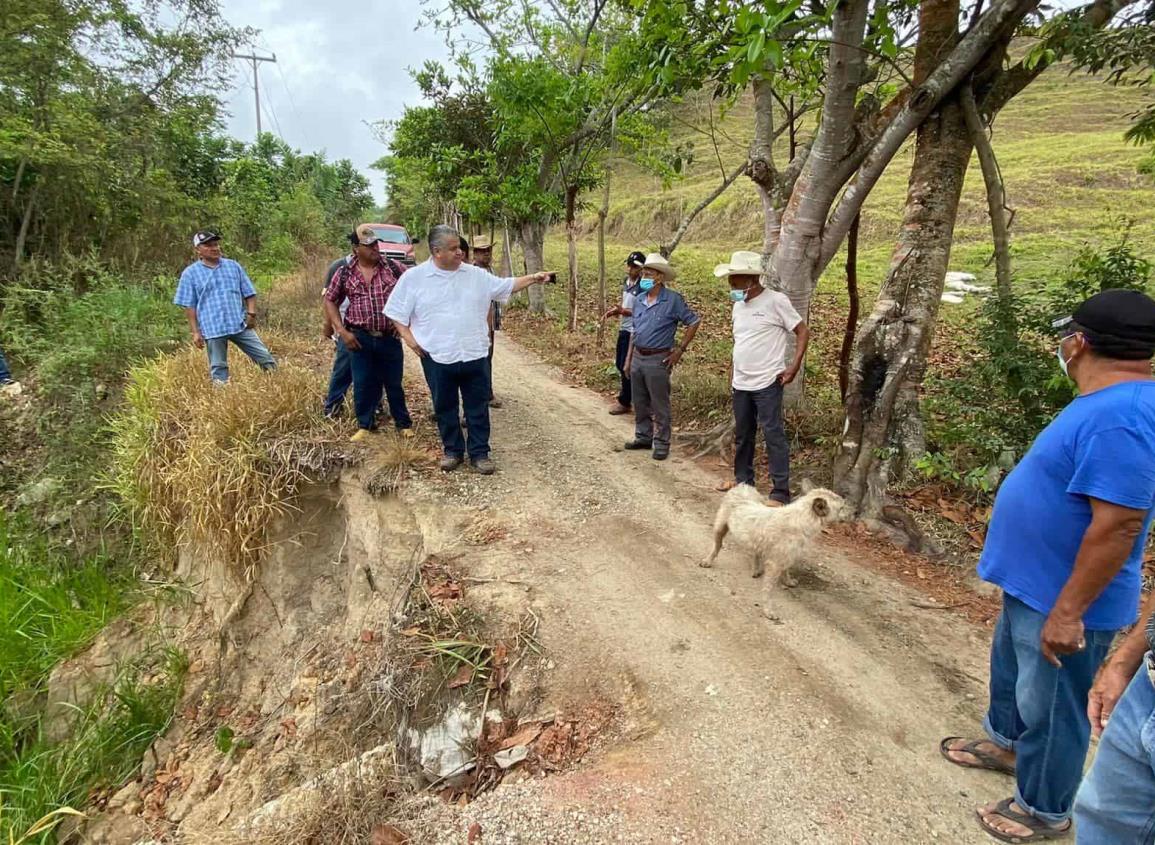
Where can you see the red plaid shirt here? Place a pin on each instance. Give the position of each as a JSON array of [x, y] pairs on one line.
[[366, 298]]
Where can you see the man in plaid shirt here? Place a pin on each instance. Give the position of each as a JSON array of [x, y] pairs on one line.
[[221, 305], [375, 349]]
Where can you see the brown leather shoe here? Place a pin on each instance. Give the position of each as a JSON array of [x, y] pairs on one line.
[[618, 409]]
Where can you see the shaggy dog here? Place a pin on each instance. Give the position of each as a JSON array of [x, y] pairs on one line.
[[776, 536]]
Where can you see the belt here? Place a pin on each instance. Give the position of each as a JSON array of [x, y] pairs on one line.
[[645, 350], [369, 332]]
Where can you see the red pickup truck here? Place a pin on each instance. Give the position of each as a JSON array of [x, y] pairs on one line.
[[396, 243]]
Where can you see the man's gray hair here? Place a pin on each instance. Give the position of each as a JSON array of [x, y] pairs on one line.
[[440, 234]]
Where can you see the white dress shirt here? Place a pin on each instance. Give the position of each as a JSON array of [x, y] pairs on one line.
[[447, 310]]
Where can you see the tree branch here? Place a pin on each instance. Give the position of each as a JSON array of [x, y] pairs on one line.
[[668, 249], [1002, 16], [996, 192]]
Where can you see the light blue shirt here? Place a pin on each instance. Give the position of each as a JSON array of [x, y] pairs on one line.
[[1102, 446], [448, 311], [218, 294], [656, 324]]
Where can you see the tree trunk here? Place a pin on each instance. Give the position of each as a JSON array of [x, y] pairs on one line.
[[25, 224], [571, 236], [506, 253], [996, 197], [852, 310], [603, 212], [533, 245], [883, 429]]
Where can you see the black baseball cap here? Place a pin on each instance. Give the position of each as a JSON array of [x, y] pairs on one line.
[[1118, 323], [636, 259], [204, 236]]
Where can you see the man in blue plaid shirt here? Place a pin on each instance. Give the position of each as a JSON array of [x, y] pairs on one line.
[[220, 302]]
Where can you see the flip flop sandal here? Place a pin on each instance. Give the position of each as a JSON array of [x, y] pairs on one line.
[[1040, 830], [986, 760]]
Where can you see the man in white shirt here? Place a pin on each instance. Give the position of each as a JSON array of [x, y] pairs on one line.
[[441, 310], [763, 322]]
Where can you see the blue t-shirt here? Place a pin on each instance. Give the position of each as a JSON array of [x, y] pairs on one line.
[[1101, 446]]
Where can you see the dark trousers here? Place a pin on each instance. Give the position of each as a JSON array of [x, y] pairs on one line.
[[650, 383], [754, 410], [470, 380], [625, 397], [489, 366], [378, 365], [5, 374], [341, 379]]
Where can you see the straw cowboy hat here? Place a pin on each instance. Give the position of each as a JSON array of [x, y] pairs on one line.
[[481, 242], [657, 261], [742, 263]]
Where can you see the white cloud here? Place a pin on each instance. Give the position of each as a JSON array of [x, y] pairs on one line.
[[340, 67]]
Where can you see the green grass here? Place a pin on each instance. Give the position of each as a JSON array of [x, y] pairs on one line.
[[50, 609]]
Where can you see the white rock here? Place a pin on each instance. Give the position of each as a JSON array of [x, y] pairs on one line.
[[959, 276], [952, 298], [511, 756]]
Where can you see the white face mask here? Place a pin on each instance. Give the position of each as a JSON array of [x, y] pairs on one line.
[[1064, 363]]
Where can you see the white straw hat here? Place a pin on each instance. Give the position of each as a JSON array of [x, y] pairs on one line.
[[742, 263], [657, 261]]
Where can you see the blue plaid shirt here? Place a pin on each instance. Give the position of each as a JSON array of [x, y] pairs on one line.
[[218, 294]]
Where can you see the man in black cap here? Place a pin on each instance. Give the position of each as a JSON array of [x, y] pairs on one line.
[[1065, 544], [634, 263]]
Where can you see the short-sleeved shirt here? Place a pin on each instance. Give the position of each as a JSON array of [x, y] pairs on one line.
[[218, 294], [629, 293], [367, 297], [762, 330], [656, 324], [448, 310], [1102, 446], [333, 268]]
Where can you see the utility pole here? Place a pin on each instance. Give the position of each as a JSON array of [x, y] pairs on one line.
[[252, 57]]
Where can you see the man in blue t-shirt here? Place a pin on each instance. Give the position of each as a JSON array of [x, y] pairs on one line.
[[1065, 544]]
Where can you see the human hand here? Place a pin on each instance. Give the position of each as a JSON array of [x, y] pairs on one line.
[[198, 340], [250, 320], [613, 312], [416, 347], [1108, 688], [1061, 635], [350, 340], [673, 358], [788, 375]]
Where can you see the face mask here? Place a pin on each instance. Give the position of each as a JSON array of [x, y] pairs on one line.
[[1064, 363], [646, 284], [739, 295]]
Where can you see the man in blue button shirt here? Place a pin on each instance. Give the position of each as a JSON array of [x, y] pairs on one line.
[[220, 302], [1065, 544], [658, 311]]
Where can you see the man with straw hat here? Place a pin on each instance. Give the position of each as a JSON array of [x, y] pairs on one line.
[[653, 355], [763, 322], [483, 258]]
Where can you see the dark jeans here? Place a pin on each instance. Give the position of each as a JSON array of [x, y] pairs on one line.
[[470, 379], [489, 367], [761, 409], [624, 395], [378, 364], [340, 380], [5, 373], [1040, 711]]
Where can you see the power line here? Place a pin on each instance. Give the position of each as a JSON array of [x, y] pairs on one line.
[[254, 58]]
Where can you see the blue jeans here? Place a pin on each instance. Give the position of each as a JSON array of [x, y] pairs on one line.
[[1040, 711], [5, 373], [470, 379], [248, 342], [1116, 804], [754, 410], [378, 365], [341, 379]]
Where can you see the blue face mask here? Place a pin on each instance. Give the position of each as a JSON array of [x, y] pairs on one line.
[[739, 295], [646, 284]]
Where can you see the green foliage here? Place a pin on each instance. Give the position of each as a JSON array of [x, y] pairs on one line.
[[984, 418]]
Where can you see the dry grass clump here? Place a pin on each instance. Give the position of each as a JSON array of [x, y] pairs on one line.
[[212, 466]]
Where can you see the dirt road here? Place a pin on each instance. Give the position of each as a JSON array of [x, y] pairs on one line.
[[823, 728]]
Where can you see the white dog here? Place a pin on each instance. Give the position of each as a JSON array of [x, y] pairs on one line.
[[776, 536]]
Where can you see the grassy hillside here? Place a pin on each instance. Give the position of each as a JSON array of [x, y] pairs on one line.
[[1070, 176]]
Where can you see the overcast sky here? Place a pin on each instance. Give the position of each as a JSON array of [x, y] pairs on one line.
[[340, 66]]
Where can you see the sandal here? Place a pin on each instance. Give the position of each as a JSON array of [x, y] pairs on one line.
[[1040, 830], [985, 760]]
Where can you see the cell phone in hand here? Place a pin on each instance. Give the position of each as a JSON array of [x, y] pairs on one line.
[[552, 280]]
